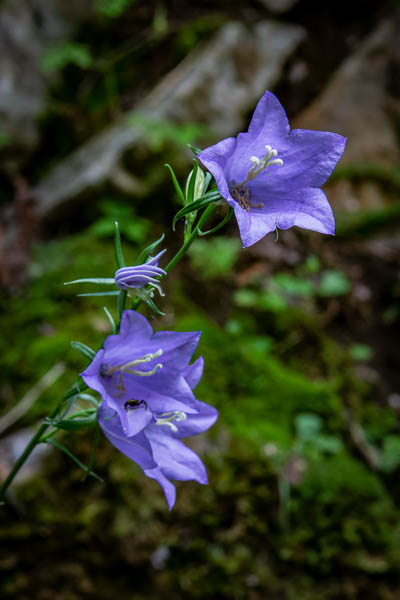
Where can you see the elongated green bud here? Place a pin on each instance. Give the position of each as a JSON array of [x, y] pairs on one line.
[[198, 184]]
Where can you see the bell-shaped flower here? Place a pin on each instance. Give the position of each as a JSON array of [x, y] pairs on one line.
[[140, 275], [271, 175], [140, 373], [157, 448]]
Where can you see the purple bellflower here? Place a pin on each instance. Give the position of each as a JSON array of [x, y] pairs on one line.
[[146, 383], [271, 175], [140, 275]]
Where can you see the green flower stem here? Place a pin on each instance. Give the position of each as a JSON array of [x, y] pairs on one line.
[[185, 247], [36, 439], [136, 302], [26, 453], [39, 435]]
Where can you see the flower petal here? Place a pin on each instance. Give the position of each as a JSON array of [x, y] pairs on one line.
[[167, 486], [162, 392], [193, 373], [134, 329], [309, 158], [175, 460], [217, 160], [136, 448], [269, 118], [91, 374], [269, 125], [197, 423], [178, 347], [308, 208]]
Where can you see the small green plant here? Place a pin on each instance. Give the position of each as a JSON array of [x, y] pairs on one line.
[[112, 8], [134, 228], [60, 55], [215, 257], [160, 132]]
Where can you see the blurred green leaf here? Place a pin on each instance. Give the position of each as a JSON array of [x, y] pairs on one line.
[[159, 132], [333, 283], [134, 228], [4, 139], [390, 453], [292, 285], [308, 426], [361, 352], [112, 8], [60, 55], [214, 257]]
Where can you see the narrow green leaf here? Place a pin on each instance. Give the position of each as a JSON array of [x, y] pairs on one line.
[[90, 398], [201, 202], [72, 457], [177, 187], [92, 459], [70, 403], [114, 293], [83, 349], [119, 257], [190, 190], [148, 251], [151, 304], [98, 280], [74, 424], [78, 387], [111, 319], [207, 180], [224, 220], [194, 149]]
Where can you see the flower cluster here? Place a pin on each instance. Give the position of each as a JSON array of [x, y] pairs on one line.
[[271, 175], [146, 383]]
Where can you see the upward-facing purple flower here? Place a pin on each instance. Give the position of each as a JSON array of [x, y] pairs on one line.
[[271, 175], [146, 383]]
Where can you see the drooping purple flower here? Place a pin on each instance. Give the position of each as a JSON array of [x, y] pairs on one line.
[[140, 275], [146, 383], [157, 448], [271, 175]]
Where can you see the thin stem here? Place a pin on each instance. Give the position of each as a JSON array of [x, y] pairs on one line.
[[190, 239], [35, 440], [26, 453]]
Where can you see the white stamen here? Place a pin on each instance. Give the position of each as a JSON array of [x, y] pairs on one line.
[[262, 164], [277, 161], [144, 373], [126, 368], [168, 418]]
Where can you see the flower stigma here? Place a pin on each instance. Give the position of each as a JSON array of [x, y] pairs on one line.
[[168, 419], [240, 191]]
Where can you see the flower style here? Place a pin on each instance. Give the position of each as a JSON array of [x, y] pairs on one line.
[[140, 275], [146, 384], [271, 175]]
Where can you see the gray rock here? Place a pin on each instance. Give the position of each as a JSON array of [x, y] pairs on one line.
[[355, 102], [26, 29], [279, 6], [216, 85]]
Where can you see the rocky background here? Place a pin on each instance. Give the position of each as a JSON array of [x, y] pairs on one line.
[[299, 335]]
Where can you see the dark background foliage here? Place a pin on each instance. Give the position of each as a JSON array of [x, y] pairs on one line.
[[299, 335]]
